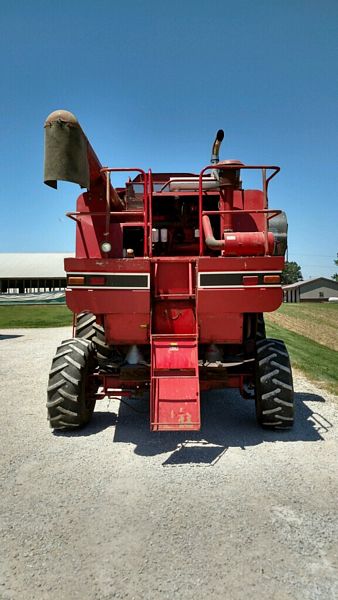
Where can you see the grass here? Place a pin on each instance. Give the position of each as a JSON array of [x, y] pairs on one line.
[[317, 321], [34, 316], [318, 362], [304, 309]]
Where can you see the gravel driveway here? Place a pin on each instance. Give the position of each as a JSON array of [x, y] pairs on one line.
[[114, 511]]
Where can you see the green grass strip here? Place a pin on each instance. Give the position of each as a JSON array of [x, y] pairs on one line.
[[319, 363], [34, 316]]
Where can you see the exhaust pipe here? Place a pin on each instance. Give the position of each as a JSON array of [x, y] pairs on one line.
[[216, 146]]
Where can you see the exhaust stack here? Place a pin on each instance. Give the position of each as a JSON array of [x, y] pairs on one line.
[[216, 146]]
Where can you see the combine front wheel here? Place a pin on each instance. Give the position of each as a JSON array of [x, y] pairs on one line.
[[274, 387], [71, 392]]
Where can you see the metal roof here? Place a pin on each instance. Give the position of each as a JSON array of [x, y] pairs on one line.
[[291, 286], [27, 265]]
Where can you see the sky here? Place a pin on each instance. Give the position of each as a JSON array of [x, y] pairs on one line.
[[151, 82]]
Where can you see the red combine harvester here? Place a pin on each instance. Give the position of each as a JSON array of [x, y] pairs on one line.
[[172, 275]]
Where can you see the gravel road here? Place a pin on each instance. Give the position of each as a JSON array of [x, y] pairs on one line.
[[114, 511]]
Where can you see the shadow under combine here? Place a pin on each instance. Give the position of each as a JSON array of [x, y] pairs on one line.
[[100, 421], [227, 421]]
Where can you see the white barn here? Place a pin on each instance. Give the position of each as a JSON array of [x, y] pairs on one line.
[[319, 289], [32, 272]]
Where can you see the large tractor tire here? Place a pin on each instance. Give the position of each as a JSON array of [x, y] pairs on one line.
[[87, 328], [273, 385], [71, 393]]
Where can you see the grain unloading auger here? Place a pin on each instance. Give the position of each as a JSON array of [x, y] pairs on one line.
[[172, 275]]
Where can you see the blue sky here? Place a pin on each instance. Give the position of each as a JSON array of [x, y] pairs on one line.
[[151, 82]]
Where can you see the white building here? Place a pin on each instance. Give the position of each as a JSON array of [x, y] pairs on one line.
[[32, 272], [319, 289]]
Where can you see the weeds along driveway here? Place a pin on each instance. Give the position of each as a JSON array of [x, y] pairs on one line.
[[114, 511]]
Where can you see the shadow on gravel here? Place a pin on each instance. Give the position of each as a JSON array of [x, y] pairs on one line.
[[100, 421], [8, 337], [227, 421]]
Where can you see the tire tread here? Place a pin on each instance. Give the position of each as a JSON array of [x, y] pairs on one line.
[[67, 396], [87, 329], [274, 387]]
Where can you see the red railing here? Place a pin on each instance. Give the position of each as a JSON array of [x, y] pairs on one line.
[[232, 167], [143, 218]]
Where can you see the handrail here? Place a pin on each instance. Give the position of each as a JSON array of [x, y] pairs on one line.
[[240, 166], [150, 209], [130, 213], [274, 212]]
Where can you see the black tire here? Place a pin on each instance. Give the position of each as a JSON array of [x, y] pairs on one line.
[[260, 327], [70, 392], [274, 386], [88, 329]]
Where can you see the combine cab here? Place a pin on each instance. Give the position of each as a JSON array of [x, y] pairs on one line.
[[172, 275]]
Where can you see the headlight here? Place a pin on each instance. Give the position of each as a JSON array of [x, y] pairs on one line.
[[106, 247]]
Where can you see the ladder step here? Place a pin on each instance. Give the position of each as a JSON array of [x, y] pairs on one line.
[[174, 352], [175, 404], [175, 401]]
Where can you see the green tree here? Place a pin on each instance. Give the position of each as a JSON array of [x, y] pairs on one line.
[[291, 273], [335, 275]]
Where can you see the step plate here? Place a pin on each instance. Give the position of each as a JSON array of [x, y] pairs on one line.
[[176, 404]]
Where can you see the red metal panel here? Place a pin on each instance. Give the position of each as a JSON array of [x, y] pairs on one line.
[[175, 403], [220, 310], [104, 301], [248, 200], [172, 317], [126, 328], [107, 265], [176, 277], [216, 326], [127, 312], [178, 404], [173, 352], [250, 263], [239, 300], [172, 389]]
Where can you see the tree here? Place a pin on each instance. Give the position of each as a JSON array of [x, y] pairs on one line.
[[335, 275], [291, 273]]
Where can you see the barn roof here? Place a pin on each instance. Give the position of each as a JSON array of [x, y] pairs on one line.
[[27, 265], [298, 284]]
